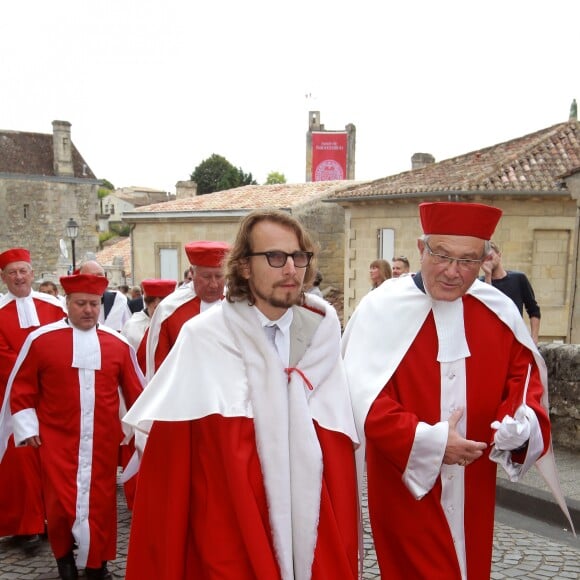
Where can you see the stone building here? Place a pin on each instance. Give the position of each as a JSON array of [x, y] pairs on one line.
[[44, 181], [126, 199], [534, 180]]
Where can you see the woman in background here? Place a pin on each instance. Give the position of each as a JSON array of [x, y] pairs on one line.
[[380, 270]]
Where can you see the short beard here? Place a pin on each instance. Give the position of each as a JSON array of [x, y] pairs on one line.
[[288, 302]]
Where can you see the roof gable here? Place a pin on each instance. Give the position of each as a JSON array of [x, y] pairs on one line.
[[535, 162], [32, 154]]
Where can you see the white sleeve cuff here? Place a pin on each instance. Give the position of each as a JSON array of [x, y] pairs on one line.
[[25, 425], [426, 457]]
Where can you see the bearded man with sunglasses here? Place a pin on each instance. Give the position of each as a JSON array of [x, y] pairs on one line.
[[443, 392], [249, 469]]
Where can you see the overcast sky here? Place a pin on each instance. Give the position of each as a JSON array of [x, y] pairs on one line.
[[152, 88]]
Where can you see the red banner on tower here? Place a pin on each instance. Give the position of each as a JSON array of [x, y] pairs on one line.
[[329, 156]]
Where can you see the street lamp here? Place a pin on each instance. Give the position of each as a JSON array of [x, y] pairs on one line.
[[72, 231]]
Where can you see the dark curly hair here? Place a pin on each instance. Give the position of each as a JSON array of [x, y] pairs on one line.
[[237, 287]]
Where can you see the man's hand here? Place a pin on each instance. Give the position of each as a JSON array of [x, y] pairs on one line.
[[33, 441], [459, 450], [512, 433], [486, 268]]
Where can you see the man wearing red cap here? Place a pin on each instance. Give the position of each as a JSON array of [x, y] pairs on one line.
[[135, 329], [446, 383], [115, 311], [22, 310], [205, 290], [64, 401], [249, 471]]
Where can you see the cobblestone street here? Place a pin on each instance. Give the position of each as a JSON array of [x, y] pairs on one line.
[[517, 554]]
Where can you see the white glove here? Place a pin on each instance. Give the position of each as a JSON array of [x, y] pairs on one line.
[[512, 432]]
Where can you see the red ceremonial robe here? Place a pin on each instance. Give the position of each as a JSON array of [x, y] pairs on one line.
[[21, 505], [412, 535], [171, 325], [201, 508], [226, 488], [78, 421]]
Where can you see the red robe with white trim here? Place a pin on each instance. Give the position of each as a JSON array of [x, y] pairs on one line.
[[201, 510], [412, 536], [21, 505], [212, 499], [171, 326], [46, 382]]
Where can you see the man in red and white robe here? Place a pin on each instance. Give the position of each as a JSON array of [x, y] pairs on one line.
[[446, 382], [204, 291], [22, 310], [136, 328], [65, 394], [249, 471]]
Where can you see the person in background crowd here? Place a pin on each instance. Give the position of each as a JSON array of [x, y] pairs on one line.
[[136, 303], [49, 287], [115, 311], [205, 291], [187, 277], [65, 371], [442, 395], [315, 288], [22, 310], [380, 270], [124, 289], [135, 329], [515, 285], [400, 266], [248, 471]]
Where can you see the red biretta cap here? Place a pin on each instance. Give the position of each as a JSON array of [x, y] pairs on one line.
[[459, 219], [85, 283], [14, 255], [208, 254], [158, 287]]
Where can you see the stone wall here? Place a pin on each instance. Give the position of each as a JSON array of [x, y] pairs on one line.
[[33, 214], [563, 362], [325, 222]]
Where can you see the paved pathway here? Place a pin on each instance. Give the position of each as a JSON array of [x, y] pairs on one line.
[[517, 553]]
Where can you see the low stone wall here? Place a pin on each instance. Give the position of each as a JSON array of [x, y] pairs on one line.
[[563, 362]]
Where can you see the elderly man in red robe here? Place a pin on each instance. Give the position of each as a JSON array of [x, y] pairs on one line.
[[65, 394], [446, 383], [204, 291], [249, 468], [22, 310]]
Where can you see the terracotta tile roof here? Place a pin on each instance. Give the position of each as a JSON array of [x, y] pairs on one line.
[[32, 154], [251, 197], [120, 249], [534, 163]]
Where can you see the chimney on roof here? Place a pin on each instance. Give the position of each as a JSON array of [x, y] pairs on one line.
[[420, 160], [62, 148], [573, 111], [185, 189]]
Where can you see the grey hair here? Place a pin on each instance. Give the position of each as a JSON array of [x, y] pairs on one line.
[[486, 244]]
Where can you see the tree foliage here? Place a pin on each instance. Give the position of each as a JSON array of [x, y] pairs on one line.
[[216, 173], [275, 177]]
